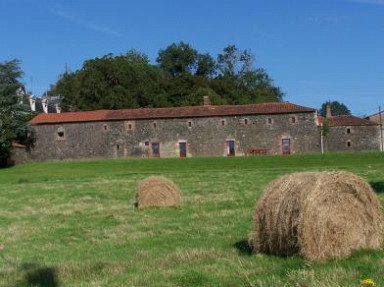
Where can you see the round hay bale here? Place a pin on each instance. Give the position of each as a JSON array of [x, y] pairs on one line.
[[157, 191], [317, 215]]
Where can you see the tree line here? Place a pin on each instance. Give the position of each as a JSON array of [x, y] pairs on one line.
[[181, 77]]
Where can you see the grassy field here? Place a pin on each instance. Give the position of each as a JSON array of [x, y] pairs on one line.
[[75, 224]]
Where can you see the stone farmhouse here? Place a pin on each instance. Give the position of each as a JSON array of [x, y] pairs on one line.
[[379, 118], [228, 130]]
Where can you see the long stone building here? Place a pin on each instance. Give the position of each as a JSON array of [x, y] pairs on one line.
[[229, 130]]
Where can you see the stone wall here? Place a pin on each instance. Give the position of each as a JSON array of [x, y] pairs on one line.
[[208, 136], [376, 118], [352, 138]]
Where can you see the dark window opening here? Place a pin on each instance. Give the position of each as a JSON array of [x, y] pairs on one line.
[[117, 146], [105, 127], [245, 121], [189, 124], [348, 144], [223, 122], [293, 120], [348, 131], [60, 134], [146, 143], [154, 125], [129, 127]]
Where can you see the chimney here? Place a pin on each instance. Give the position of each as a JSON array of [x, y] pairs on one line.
[[206, 101], [45, 105], [328, 112]]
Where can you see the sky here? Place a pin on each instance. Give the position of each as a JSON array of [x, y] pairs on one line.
[[315, 50]]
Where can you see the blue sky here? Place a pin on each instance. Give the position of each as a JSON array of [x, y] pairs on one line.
[[314, 50]]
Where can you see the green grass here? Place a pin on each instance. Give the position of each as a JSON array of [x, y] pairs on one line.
[[75, 224]]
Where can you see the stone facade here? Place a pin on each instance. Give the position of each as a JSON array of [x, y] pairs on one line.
[[200, 136], [379, 118], [352, 138]]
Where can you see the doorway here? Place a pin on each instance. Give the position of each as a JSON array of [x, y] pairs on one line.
[[230, 148], [182, 149], [286, 146], [155, 150]]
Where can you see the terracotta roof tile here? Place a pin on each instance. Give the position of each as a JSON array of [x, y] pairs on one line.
[[176, 112], [346, 120]]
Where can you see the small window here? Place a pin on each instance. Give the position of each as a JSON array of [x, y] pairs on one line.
[[129, 126], [146, 143], [154, 124], [60, 134], [269, 121], [293, 120], [348, 130], [105, 127], [223, 122], [189, 124], [246, 121], [349, 144], [117, 146]]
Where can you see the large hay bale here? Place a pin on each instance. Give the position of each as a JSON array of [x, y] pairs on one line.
[[157, 191], [318, 215]]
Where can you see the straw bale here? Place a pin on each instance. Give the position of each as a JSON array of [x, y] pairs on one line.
[[317, 215], [157, 191]]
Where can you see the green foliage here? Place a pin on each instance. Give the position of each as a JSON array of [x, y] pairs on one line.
[[337, 109], [13, 113], [75, 223], [130, 81]]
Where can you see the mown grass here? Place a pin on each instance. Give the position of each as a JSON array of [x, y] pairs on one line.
[[75, 224]]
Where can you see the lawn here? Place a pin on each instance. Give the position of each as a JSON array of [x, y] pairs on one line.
[[74, 224]]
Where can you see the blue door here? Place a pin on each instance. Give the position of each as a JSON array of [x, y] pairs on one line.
[[230, 148], [155, 149]]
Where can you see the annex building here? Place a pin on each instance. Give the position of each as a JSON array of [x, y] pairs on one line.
[[228, 130]]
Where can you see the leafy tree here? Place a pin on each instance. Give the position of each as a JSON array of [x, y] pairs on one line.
[[337, 109], [13, 113], [206, 66], [178, 58]]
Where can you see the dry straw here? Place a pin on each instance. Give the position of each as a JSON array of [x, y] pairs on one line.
[[318, 215], [157, 191]]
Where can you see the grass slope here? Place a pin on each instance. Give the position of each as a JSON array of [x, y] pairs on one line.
[[74, 224]]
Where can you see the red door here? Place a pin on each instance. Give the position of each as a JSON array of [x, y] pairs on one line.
[[183, 149], [286, 146]]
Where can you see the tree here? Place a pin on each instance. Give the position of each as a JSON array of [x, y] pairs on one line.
[[337, 109], [178, 59], [13, 113], [206, 66]]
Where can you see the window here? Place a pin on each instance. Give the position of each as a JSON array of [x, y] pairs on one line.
[[349, 144], [189, 124], [154, 125], [129, 126], [146, 143], [348, 130], [60, 134], [246, 121], [223, 122], [105, 127], [269, 121], [293, 120]]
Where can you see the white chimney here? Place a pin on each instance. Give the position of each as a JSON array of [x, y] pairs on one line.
[[32, 103], [45, 105]]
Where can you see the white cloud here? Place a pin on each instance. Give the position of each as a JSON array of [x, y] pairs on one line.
[[84, 23]]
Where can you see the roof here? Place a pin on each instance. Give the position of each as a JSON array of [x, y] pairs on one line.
[[175, 112], [346, 120]]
